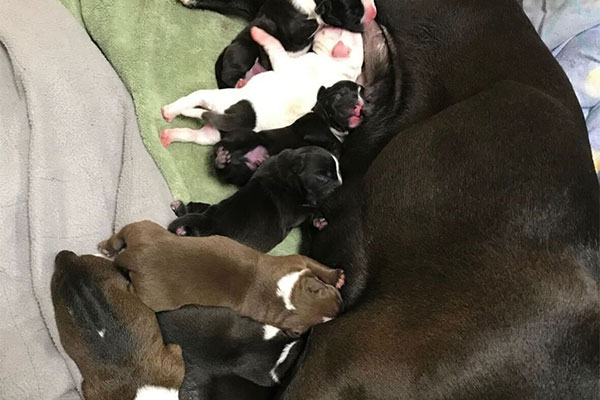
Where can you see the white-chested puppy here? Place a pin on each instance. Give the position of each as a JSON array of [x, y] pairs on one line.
[[272, 99]]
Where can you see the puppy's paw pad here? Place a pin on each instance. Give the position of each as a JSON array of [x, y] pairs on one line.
[[341, 279], [320, 223], [166, 138], [223, 157], [103, 249], [181, 231], [175, 205], [167, 115]]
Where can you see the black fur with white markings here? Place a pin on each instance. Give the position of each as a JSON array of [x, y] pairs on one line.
[[282, 194], [226, 356], [335, 106]]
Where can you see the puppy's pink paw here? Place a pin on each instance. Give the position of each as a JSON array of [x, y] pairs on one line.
[[166, 138], [175, 205], [341, 279], [167, 116], [320, 223], [181, 231]]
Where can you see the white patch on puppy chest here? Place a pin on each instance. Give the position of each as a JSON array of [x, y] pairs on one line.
[[270, 332], [337, 169], [282, 357], [156, 393], [102, 333], [285, 286]]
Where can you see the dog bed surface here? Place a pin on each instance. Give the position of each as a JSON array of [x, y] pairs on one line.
[[162, 51]]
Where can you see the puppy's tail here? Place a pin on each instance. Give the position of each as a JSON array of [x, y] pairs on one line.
[[241, 115]]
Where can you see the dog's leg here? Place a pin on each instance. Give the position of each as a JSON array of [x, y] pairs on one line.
[[193, 224], [193, 113], [334, 277], [242, 8], [179, 208], [206, 136], [115, 243], [217, 100], [277, 54]]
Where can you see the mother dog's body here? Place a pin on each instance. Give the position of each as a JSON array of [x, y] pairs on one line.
[[480, 221]]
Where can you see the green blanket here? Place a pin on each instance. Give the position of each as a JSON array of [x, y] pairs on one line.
[[163, 51]]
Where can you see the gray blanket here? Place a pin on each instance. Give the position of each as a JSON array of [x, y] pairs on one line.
[[72, 168]]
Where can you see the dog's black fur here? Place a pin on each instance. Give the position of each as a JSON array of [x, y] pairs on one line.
[[472, 241], [280, 19], [226, 356], [334, 109], [282, 194]]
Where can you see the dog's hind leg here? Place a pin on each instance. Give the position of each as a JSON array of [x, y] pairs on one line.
[[193, 224], [179, 208], [216, 100], [207, 135], [273, 47]]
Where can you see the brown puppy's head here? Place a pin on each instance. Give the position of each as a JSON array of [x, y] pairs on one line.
[[308, 300], [111, 335]]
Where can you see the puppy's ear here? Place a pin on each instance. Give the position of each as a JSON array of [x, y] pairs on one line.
[[321, 94], [314, 285], [324, 7]]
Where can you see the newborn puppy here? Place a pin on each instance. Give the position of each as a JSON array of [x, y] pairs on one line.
[[167, 272], [228, 356], [282, 194], [277, 98], [293, 23], [338, 109], [110, 334]]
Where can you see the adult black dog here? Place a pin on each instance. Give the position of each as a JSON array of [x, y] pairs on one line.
[[477, 263], [473, 248]]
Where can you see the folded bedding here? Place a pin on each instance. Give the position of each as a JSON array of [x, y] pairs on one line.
[[571, 30], [162, 51]]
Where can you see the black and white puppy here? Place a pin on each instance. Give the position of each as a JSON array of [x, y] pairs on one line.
[[283, 193], [293, 23], [228, 357], [241, 151]]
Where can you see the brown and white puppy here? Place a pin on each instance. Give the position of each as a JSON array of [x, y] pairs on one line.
[[292, 293], [111, 335]]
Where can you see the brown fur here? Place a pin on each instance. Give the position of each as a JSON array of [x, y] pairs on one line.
[[89, 294], [168, 272]]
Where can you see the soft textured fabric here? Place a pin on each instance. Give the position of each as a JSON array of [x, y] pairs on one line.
[[162, 51], [571, 29], [73, 168]]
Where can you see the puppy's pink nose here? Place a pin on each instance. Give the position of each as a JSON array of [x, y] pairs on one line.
[[370, 10]]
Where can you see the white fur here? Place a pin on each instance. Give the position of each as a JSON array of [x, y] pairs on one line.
[[270, 332], [101, 333], [284, 354], [156, 393], [306, 7], [281, 96], [337, 169], [285, 286], [326, 319]]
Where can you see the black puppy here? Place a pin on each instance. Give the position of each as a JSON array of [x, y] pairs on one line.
[[227, 356], [281, 195], [292, 23], [242, 151]]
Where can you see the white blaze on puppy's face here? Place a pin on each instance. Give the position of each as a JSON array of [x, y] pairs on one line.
[[285, 286], [156, 393], [305, 6]]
